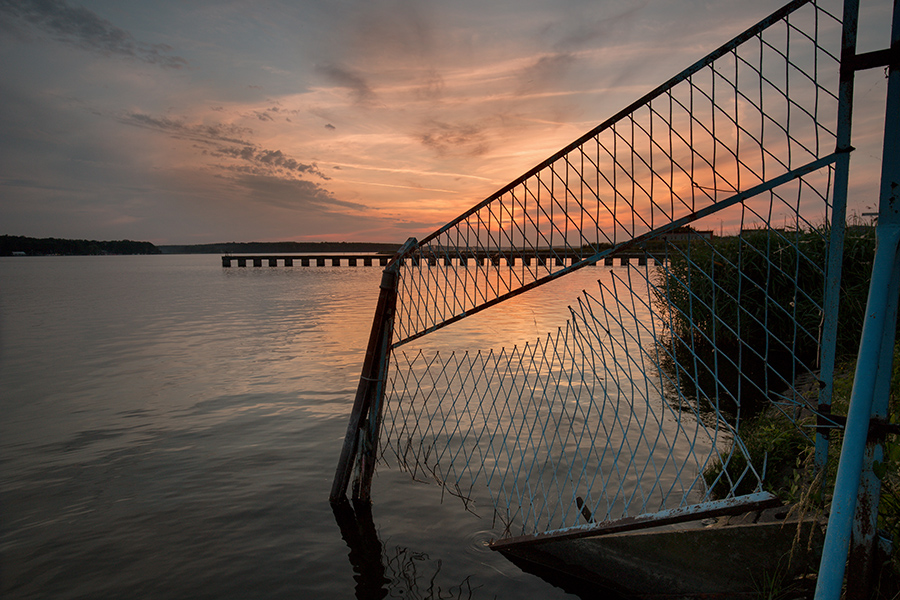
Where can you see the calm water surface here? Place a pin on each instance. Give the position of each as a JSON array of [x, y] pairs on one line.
[[170, 429]]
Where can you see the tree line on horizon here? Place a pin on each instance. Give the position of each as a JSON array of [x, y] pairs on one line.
[[17, 245], [279, 247]]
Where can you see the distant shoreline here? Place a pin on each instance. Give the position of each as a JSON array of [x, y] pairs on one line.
[[14, 245], [280, 248]]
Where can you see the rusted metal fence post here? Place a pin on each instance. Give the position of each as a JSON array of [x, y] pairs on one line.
[[361, 439]]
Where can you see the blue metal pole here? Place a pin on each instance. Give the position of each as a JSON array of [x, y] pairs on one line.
[[875, 356], [847, 483], [862, 561], [863, 539], [828, 340]]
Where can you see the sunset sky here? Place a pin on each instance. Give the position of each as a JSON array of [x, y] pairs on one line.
[[357, 120]]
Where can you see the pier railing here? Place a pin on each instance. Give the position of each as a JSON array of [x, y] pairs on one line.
[[636, 404]]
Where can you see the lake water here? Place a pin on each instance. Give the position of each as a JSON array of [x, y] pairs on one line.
[[170, 429]]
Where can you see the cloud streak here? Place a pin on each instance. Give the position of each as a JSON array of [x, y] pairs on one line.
[[84, 29], [294, 194], [465, 139], [310, 118], [350, 79], [181, 130], [227, 141]]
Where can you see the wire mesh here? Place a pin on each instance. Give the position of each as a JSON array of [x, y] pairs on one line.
[[756, 109], [635, 404]]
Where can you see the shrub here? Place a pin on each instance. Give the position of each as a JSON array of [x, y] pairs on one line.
[[743, 313]]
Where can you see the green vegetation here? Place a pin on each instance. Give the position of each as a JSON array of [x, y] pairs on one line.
[[747, 308], [745, 305], [13, 245], [791, 474]]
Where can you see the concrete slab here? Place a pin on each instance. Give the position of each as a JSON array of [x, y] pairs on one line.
[[733, 560]]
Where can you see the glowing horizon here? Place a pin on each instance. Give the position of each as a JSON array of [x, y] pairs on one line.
[[375, 123]]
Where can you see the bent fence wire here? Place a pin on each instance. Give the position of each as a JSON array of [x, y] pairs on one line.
[[622, 410]]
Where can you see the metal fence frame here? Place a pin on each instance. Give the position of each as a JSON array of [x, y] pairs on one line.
[[851, 525]]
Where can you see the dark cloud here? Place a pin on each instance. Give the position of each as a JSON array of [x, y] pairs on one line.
[[226, 141], [179, 129], [272, 112], [350, 79], [85, 29], [460, 139], [330, 126], [295, 194], [269, 161], [244, 153]]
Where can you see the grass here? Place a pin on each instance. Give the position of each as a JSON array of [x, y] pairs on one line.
[[742, 321]]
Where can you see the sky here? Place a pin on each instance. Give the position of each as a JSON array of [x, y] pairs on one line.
[[311, 120]]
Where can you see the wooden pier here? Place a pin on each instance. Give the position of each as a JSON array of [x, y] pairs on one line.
[[306, 260], [460, 258]]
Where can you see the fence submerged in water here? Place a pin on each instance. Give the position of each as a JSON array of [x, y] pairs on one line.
[[635, 405]]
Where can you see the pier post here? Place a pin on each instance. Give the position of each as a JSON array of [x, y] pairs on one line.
[[367, 262], [335, 262], [608, 261], [623, 261], [304, 262], [351, 262], [242, 262], [320, 262], [226, 261], [383, 261], [257, 262], [289, 262], [273, 262]]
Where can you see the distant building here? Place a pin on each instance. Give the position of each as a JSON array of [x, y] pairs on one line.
[[686, 236]]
